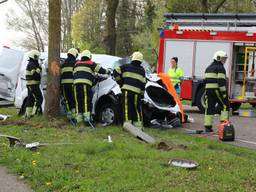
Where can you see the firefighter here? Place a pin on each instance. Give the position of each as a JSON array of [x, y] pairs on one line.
[[176, 74], [33, 78], [131, 78], [84, 75], [216, 92], [67, 81]]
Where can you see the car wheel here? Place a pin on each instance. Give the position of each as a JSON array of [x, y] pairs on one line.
[[108, 114], [200, 100]]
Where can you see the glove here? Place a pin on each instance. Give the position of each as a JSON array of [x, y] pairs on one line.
[[38, 70], [108, 72]]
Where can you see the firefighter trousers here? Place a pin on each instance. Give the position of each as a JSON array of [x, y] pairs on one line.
[[132, 107], [212, 97], [67, 90], [83, 98], [34, 100]]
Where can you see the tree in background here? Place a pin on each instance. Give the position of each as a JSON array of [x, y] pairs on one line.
[[33, 23], [88, 26], [147, 39], [53, 82], [110, 26], [68, 10]]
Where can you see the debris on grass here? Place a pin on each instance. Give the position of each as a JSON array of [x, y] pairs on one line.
[[188, 164], [168, 146], [4, 117], [138, 133]]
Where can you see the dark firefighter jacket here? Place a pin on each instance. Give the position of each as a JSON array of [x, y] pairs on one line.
[[215, 77], [33, 72], [84, 71], [131, 77], [67, 70]]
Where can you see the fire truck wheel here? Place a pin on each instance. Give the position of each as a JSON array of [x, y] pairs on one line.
[[235, 106], [200, 100]]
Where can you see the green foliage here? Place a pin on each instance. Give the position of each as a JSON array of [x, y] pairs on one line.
[[211, 6], [92, 164], [87, 31], [147, 40]]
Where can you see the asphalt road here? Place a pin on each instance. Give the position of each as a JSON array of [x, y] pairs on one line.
[[245, 127], [9, 183]]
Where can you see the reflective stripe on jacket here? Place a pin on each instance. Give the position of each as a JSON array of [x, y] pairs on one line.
[[131, 77], [84, 72], [215, 77]]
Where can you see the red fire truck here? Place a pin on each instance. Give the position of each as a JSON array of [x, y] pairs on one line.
[[194, 38]]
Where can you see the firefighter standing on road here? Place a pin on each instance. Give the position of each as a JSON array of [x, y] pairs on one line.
[[84, 74], [33, 79], [67, 81], [176, 74], [131, 78], [216, 92]]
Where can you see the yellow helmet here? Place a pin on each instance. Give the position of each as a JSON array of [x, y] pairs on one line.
[[86, 53], [34, 54], [137, 56], [220, 55], [73, 52]]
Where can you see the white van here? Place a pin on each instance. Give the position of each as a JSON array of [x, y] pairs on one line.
[[10, 64]]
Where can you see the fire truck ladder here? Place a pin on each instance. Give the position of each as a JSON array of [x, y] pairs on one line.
[[227, 20]]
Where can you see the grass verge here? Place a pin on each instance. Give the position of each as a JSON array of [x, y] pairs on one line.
[[93, 164]]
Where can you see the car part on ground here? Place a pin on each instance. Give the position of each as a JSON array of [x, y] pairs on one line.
[[188, 164], [138, 133]]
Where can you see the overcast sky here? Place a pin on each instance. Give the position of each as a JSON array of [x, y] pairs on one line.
[[7, 37]]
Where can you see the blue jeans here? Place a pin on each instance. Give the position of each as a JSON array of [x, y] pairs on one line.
[[177, 88]]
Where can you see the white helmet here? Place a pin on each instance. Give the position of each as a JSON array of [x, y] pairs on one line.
[[34, 54], [73, 52], [137, 56], [86, 53], [220, 55]]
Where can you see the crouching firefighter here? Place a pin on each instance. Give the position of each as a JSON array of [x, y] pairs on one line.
[[67, 81], [132, 80], [216, 92], [33, 78], [84, 75]]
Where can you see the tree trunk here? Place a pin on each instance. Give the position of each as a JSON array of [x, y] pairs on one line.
[[53, 84], [205, 8], [110, 39], [218, 6]]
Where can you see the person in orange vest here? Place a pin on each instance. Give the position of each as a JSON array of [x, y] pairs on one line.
[[84, 74], [176, 74]]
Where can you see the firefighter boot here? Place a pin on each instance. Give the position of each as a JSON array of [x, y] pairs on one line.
[[138, 124], [87, 119], [29, 112], [79, 118], [69, 115], [73, 113]]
